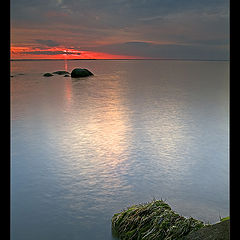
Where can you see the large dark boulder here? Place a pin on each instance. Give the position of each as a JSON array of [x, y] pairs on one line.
[[80, 72]]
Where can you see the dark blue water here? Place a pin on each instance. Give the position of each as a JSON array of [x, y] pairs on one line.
[[82, 150]]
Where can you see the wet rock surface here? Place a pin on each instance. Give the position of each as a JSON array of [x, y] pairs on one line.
[[218, 231], [80, 72], [47, 75], [61, 72]]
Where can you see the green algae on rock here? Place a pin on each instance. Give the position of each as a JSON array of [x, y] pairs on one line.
[[154, 220], [225, 219]]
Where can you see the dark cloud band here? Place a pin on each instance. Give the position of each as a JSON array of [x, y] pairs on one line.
[[49, 53]]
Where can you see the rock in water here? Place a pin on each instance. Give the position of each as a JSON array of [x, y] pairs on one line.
[[154, 220], [61, 72], [80, 72], [47, 75], [217, 231]]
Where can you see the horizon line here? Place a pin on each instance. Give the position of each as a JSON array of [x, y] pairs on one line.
[[170, 59]]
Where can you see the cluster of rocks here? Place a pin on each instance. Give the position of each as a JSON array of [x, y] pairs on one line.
[[76, 73]]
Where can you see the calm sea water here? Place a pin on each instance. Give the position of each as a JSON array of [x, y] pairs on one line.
[[82, 150]]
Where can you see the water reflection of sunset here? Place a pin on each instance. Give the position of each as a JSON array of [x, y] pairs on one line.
[[65, 65], [103, 133], [110, 138], [68, 90]]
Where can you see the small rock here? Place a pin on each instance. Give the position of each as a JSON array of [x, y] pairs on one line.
[[47, 75], [61, 72]]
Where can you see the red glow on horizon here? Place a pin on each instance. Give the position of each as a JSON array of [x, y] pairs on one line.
[[62, 53]]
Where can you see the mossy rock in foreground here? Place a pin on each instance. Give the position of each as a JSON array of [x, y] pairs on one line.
[[153, 221]]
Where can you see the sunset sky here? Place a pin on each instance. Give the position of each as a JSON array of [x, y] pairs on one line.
[[108, 29]]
